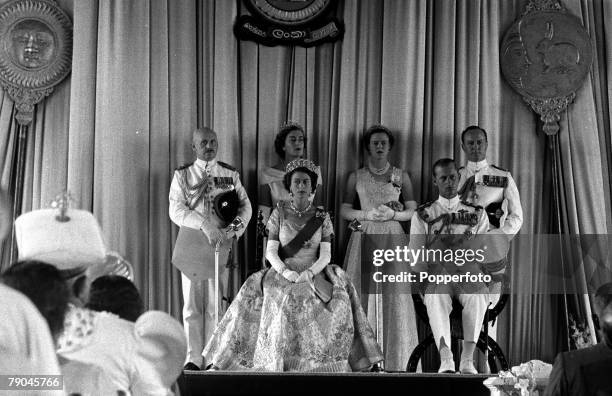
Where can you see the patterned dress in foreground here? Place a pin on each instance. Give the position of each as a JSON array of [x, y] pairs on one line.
[[277, 325]]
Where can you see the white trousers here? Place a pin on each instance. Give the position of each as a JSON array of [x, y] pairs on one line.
[[439, 307], [199, 312]]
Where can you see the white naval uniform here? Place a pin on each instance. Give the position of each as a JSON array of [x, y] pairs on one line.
[[512, 220], [483, 195], [439, 305], [198, 296]]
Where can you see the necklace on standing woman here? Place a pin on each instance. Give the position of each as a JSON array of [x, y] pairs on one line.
[[380, 171]]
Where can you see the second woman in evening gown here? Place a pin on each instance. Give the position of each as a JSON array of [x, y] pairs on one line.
[[380, 187]]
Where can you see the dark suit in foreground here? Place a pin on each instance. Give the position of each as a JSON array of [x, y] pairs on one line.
[[587, 371], [582, 372]]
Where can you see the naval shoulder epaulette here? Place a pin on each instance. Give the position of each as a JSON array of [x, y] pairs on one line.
[[184, 166], [425, 205], [226, 166], [466, 203], [421, 210], [501, 169]]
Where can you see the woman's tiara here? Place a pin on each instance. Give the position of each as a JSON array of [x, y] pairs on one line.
[[301, 163], [378, 128], [291, 125]]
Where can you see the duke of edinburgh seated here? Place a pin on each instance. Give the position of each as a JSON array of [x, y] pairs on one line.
[[432, 228]]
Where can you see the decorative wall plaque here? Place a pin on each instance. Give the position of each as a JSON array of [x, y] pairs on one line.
[[289, 22], [545, 56], [35, 52]]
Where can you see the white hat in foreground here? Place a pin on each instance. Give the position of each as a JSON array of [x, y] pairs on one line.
[[162, 346], [72, 242]]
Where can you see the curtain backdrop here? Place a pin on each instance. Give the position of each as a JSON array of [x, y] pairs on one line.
[[145, 73]]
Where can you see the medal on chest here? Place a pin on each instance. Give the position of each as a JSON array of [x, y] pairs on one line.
[[494, 181]]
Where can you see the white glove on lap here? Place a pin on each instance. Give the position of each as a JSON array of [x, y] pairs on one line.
[[305, 276], [290, 275]]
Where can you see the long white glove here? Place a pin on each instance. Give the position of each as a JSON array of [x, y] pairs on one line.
[[404, 215], [277, 263], [400, 215], [324, 258]]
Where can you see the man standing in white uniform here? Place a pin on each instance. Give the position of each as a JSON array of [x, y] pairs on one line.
[[192, 199], [494, 189], [489, 186]]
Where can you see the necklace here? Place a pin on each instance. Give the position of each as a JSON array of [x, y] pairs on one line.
[[380, 171], [300, 213]]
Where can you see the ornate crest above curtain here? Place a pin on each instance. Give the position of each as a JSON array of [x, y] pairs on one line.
[[35, 56], [289, 22], [545, 56], [36, 52]]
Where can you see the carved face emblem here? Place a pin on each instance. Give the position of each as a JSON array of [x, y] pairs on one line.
[[516, 60], [32, 44]]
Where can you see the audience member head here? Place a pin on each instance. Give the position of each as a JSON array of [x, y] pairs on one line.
[[603, 312], [115, 294], [26, 344], [303, 166], [72, 243], [445, 177], [290, 141], [378, 139], [474, 143], [44, 285], [162, 347]]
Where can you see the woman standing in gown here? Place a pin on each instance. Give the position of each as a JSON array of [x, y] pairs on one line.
[[289, 144], [379, 187], [301, 314]]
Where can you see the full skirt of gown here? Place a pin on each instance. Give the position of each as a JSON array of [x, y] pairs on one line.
[[391, 311], [276, 325]]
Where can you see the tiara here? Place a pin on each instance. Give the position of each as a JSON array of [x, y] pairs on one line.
[[378, 127], [301, 163], [291, 125]]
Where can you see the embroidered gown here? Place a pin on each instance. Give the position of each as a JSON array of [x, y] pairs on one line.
[[396, 328], [277, 325]]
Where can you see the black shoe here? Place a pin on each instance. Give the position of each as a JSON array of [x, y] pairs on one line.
[[191, 367], [376, 368]]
